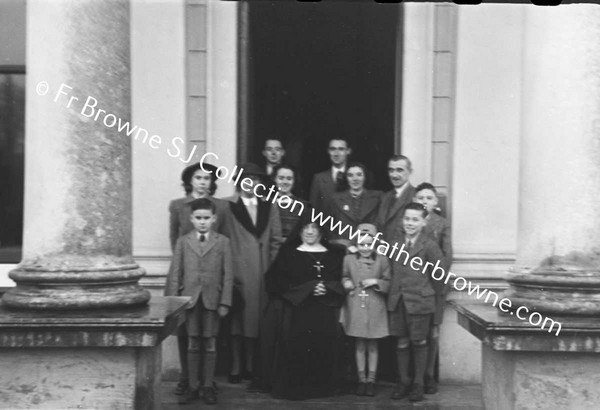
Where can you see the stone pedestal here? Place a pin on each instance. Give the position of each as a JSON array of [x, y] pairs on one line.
[[526, 368], [101, 360]]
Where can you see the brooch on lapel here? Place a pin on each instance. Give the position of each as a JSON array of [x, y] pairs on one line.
[[346, 208]]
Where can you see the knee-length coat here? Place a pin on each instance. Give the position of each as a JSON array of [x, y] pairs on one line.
[[366, 318], [254, 247]]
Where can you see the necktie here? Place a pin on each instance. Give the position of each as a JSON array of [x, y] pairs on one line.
[[409, 245], [339, 181], [202, 237]]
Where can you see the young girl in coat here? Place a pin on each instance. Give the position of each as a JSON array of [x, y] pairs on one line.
[[366, 278]]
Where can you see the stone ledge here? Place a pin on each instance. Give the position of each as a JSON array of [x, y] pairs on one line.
[[502, 331], [144, 326]]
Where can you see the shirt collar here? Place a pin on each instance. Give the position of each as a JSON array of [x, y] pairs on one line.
[[249, 201], [400, 190], [335, 170], [198, 235]]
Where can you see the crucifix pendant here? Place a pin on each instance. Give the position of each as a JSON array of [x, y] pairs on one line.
[[318, 266], [363, 295]]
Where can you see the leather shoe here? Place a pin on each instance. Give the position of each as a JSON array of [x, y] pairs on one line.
[[430, 385], [416, 393], [370, 390], [189, 396], [182, 386], [210, 395], [234, 378], [400, 392], [361, 389]]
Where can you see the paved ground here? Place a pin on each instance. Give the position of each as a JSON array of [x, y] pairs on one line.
[[450, 397]]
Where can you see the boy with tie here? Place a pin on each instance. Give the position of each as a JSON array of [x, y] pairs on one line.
[[412, 298], [201, 269]]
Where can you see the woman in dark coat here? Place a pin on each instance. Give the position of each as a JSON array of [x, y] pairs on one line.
[[305, 277], [352, 206]]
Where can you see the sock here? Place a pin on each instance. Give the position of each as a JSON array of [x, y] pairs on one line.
[[194, 367], [431, 356], [420, 353], [371, 377], [210, 362], [403, 359], [182, 346]]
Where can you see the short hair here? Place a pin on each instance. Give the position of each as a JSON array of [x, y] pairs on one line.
[[362, 166], [339, 139], [425, 185], [203, 204], [188, 174], [273, 139], [415, 206], [398, 157]]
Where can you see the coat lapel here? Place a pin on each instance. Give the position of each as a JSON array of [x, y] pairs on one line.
[[262, 217], [194, 242], [238, 209], [399, 203], [418, 246], [210, 243]]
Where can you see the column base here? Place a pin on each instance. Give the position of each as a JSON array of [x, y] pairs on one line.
[[40, 288], [565, 291]]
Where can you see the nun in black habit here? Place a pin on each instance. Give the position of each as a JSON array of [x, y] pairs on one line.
[[301, 326]]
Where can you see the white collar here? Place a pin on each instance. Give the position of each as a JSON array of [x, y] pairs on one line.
[[311, 248], [335, 170], [249, 201], [205, 235]]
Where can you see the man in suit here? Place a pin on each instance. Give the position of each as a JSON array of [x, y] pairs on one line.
[[273, 152], [325, 183], [393, 202]]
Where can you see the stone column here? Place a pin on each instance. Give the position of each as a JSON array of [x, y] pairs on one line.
[[77, 238], [558, 254]]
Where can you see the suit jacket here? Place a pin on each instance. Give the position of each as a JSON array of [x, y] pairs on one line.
[[416, 289], [321, 189], [179, 217], [202, 271], [389, 216], [339, 208], [438, 228]]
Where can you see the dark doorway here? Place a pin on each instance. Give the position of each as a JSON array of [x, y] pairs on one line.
[[313, 71]]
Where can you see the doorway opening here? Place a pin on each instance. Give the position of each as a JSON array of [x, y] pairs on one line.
[[310, 72]]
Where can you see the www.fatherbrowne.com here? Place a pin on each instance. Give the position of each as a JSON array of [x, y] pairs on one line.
[[438, 273]]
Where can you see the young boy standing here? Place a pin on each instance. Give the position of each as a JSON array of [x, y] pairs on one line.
[[411, 301], [438, 229], [201, 269]]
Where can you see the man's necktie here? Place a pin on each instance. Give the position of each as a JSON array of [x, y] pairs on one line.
[[339, 181], [202, 237]]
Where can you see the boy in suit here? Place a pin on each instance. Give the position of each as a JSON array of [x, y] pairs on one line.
[[438, 229], [393, 202], [411, 300], [201, 269], [325, 183]]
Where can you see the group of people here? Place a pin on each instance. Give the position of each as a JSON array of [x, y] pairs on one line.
[[295, 292]]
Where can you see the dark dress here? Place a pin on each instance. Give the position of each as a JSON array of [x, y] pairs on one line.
[[305, 327]]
